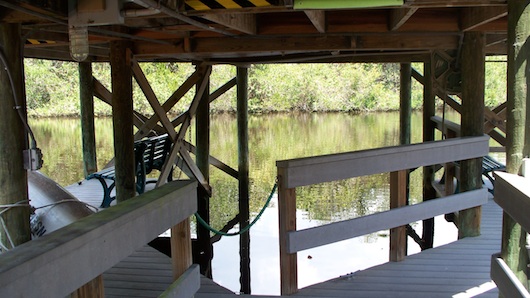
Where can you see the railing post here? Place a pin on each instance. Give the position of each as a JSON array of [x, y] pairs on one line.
[[287, 223], [398, 198], [181, 254]]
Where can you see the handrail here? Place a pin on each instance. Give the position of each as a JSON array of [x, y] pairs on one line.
[[347, 229], [513, 196], [326, 168], [59, 263], [397, 159]]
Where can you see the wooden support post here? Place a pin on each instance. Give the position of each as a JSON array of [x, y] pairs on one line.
[[287, 223], [181, 254], [398, 198], [243, 177], [86, 96], [513, 250], [202, 135], [399, 181], [473, 70], [13, 139], [428, 135], [122, 119], [405, 104]]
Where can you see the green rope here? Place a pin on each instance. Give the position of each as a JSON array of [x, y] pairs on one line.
[[245, 229]]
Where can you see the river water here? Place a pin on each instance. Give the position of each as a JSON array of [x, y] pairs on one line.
[[273, 137]]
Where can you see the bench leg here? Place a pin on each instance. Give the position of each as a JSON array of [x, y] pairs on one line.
[[107, 199]]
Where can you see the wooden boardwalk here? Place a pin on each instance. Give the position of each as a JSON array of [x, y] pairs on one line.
[[458, 269]]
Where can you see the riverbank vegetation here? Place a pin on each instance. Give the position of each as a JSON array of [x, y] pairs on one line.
[[52, 87]]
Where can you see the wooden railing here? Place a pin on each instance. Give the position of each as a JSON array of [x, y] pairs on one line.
[[513, 195], [61, 262], [397, 160]]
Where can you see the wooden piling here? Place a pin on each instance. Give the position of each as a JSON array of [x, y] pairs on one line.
[[428, 135], [398, 198], [405, 103], [88, 135], [202, 140], [122, 119], [243, 177], [513, 250], [399, 181], [473, 70], [13, 139]]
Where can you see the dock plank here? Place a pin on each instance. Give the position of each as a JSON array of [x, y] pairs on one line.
[[458, 269]]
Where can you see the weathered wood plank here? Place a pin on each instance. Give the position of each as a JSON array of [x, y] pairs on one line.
[[287, 223], [57, 264], [186, 286], [398, 198], [513, 195], [312, 170], [508, 284], [334, 232]]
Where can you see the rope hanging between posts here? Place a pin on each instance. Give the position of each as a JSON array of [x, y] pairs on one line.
[[245, 229]]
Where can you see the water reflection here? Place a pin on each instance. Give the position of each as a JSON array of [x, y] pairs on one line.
[[272, 138]]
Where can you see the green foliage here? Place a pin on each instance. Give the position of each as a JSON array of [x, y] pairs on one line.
[[52, 87]]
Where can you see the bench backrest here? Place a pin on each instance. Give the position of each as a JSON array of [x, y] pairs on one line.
[[155, 152]]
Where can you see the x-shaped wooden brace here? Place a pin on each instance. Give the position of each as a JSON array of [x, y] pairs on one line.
[[493, 118], [147, 125], [176, 138]]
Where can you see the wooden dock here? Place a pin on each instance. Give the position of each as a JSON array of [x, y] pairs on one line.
[[458, 269]]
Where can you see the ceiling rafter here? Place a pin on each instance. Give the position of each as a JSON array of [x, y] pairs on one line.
[[400, 16], [318, 18], [474, 17], [245, 23]]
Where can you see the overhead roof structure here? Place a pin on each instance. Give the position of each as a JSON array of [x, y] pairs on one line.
[[260, 31]]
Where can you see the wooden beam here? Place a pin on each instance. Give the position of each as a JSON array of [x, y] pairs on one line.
[[513, 195], [160, 112], [186, 285], [243, 179], [213, 161], [223, 89], [122, 120], [473, 17], [514, 237], [398, 198], [473, 87], [400, 16], [88, 134], [74, 253], [287, 224], [13, 140], [338, 231], [494, 120], [201, 168], [181, 251], [318, 18], [170, 103], [429, 110], [105, 95], [312, 170], [505, 280], [176, 149], [212, 47], [245, 23]]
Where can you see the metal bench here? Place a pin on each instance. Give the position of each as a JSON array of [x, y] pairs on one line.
[[149, 154], [489, 165]]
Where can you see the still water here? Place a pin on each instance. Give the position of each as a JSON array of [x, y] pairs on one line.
[[272, 138]]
